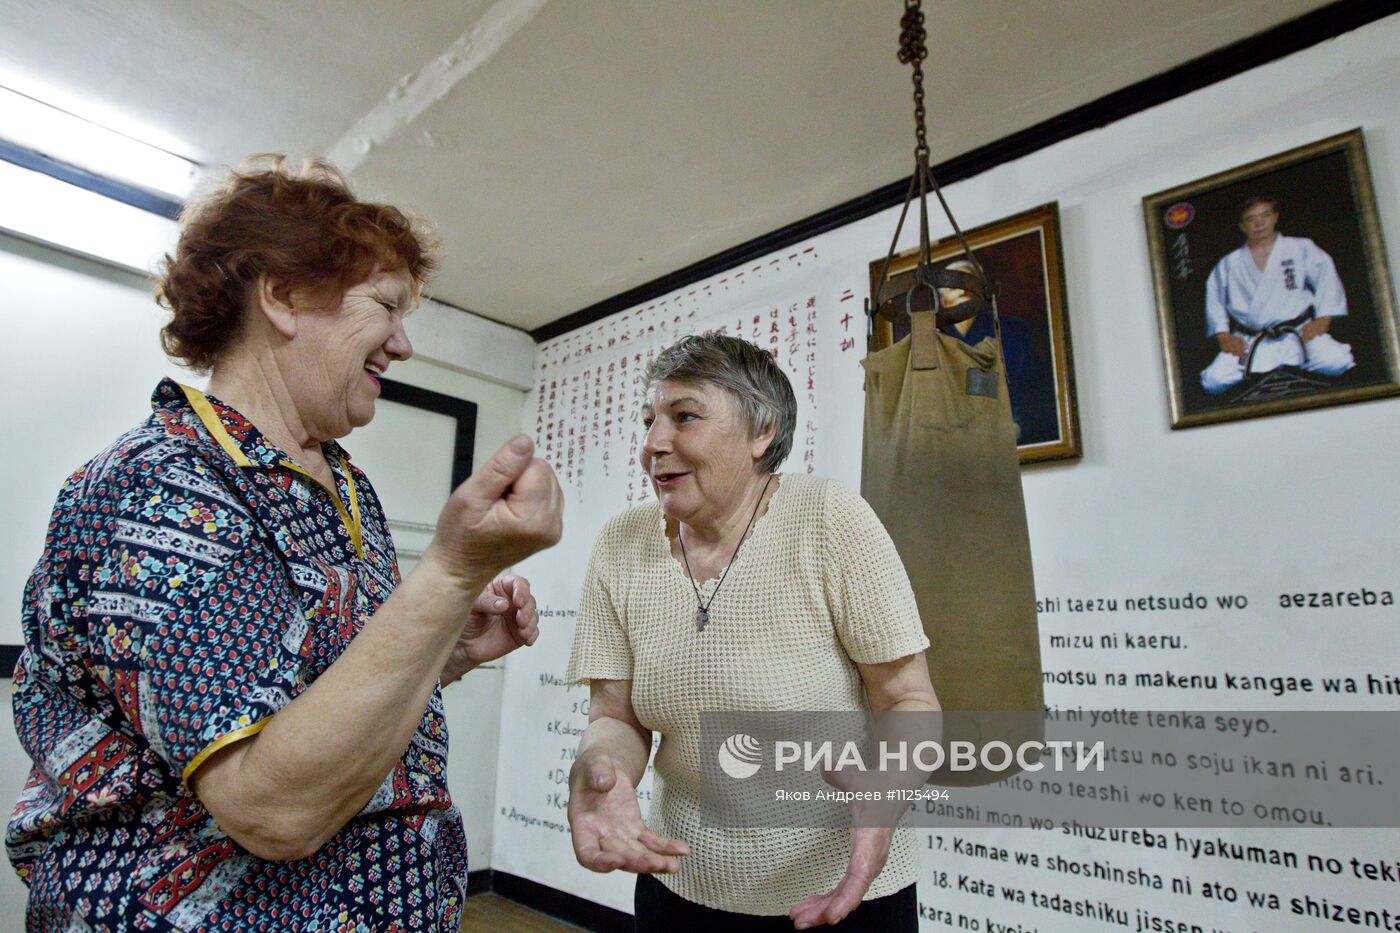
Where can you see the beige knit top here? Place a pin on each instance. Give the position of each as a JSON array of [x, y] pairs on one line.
[[817, 587]]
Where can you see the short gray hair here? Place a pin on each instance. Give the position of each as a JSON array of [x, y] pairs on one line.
[[747, 372]]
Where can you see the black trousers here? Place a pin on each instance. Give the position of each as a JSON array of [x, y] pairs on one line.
[[659, 910]]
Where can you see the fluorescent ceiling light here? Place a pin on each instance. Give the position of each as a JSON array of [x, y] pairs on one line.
[[38, 207], [31, 124]]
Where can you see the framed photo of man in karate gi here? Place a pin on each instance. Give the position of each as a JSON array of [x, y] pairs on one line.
[[1273, 291]]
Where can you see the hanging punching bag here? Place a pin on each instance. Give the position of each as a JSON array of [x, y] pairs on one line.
[[941, 471]]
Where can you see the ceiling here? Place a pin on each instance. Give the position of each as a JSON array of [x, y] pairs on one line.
[[568, 150]]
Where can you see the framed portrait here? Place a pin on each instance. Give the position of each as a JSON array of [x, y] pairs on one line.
[[1023, 256], [1272, 288], [417, 450]]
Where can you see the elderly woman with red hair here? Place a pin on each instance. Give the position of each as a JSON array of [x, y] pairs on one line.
[[230, 697]]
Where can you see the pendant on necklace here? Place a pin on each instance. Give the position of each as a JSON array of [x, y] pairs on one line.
[[702, 618]]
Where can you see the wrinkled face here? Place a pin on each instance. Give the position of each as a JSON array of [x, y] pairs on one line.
[[341, 352], [697, 452], [1259, 221]]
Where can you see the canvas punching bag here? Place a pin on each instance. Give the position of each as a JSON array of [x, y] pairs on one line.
[[940, 469]]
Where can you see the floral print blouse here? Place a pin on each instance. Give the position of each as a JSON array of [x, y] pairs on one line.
[[194, 581]]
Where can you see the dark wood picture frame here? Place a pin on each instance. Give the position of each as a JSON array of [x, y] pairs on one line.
[[410, 537], [464, 444], [1023, 254]]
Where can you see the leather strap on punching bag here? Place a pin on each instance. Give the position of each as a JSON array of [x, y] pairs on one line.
[[941, 471]]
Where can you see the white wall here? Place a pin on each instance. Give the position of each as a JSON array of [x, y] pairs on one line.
[[84, 357], [1147, 510]]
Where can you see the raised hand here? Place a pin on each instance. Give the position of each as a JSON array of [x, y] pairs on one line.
[[606, 823], [504, 618], [507, 510]]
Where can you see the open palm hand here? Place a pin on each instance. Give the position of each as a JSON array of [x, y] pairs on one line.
[[607, 827]]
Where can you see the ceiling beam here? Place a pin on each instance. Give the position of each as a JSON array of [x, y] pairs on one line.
[[414, 93]]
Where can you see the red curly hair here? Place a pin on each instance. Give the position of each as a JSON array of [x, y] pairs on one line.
[[302, 229]]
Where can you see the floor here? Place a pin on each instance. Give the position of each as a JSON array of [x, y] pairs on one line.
[[488, 913]]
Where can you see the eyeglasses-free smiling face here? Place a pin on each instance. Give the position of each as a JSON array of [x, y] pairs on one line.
[[697, 450], [1259, 222], [347, 348]]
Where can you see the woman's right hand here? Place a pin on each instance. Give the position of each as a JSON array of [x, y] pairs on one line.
[[505, 511], [606, 823]]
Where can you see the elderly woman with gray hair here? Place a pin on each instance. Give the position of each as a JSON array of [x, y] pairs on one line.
[[737, 589]]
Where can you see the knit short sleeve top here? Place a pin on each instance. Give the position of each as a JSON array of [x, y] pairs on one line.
[[817, 588]]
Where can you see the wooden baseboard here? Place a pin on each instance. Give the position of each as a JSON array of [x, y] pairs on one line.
[[478, 882], [9, 657], [558, 904]]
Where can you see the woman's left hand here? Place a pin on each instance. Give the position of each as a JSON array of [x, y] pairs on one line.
[[901, 684], [502, 619], [870, 846]]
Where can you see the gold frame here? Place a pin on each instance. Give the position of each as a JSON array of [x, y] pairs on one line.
[[1046, 220], [1353, 145]]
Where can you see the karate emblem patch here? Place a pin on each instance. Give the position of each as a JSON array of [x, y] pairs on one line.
[[1179, 215]]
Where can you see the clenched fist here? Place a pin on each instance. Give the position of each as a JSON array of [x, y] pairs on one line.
[[507, 510]]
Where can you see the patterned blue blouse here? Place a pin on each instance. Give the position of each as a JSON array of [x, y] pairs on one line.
[[194, 581]]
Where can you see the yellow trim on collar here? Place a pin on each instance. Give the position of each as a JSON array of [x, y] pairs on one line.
[[356, 527], [219, 433], [213, 425], [352, 522], [223, 741]]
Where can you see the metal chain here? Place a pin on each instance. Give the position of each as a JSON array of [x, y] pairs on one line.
[[913, 51]]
